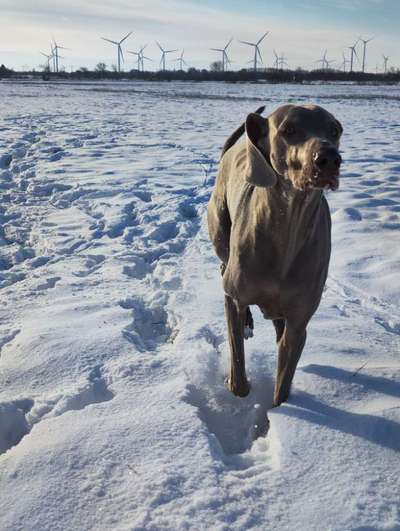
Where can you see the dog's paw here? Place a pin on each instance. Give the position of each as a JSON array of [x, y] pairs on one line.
[[240, 389]]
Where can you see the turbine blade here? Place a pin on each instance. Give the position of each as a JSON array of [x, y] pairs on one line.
[[263, 37], [259, 53], [228, 43], [109, 40], [169, 51], [124, 39], [248, 43], [159, 45]]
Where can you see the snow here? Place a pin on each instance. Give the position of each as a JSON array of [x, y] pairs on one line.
[[113, 410]]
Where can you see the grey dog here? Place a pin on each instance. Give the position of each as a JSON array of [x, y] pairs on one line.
[[270, 226]]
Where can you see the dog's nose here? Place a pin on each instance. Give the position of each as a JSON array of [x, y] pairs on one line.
[[327, 158]]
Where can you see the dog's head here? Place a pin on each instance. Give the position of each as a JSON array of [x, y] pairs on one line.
[[299, 143]]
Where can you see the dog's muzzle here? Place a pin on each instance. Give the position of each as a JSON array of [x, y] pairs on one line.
[[326, 168]]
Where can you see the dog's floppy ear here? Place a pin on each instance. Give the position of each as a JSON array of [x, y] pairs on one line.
[[258, 169]]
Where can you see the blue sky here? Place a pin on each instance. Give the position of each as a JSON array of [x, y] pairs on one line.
[[301, 29]]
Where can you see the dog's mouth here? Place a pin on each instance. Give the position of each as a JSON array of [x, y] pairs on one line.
[[315, 180], [323, 180]]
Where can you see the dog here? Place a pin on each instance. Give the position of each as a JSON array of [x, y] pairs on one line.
[[270, 225]]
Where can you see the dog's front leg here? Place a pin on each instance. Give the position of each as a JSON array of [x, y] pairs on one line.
[[235, 317], [290, 348]]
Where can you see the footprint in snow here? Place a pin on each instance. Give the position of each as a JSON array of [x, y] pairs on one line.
[[150, 326], [48, 284], [13, 423]]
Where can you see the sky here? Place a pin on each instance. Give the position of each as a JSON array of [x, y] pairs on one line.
[[299, 29]]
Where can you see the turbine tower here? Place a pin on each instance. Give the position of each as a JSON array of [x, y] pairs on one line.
[[365, 42], [352, 54], [257, 53], [163, 54], [118, 44], [225, 58], [385, 62], [181, 60]]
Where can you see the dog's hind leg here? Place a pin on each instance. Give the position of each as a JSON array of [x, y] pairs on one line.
[[236, 317], [249, 324]]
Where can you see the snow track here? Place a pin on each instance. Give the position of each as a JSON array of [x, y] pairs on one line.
[[113, 351]]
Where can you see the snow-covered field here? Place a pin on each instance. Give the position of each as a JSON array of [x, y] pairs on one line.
[[113, 411]]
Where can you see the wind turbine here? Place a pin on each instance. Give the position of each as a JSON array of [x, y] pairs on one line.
[[276, 63], [147, 59], [48, 57], [139, 59], [323, 60], [118, 44], [257, 53], [365, 42], [163, 54], [353, 53], [385, 62], [225, 58], [181, 60], [279, 61], [139, 56], [344, 63], [328, 63], [54, 50], [282, 61]]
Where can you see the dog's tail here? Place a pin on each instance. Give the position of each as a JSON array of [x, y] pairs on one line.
[[237, 134]]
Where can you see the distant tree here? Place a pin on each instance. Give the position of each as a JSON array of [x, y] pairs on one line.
[[4, 72], [114, 68], [216, 66], [101, 67], [83, 69]]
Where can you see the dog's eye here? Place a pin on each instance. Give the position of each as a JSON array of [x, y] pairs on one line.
[[288, 130], [334, 132]]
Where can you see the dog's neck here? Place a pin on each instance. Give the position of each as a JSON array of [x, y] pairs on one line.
[[294, 217]]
